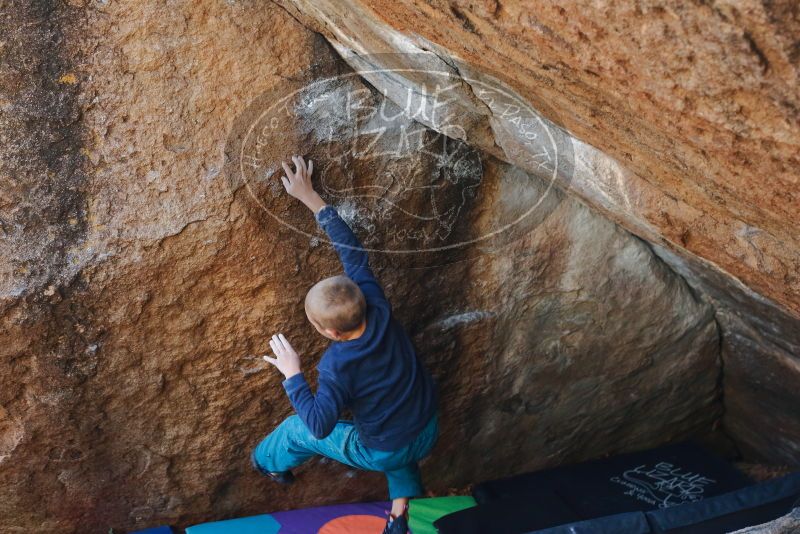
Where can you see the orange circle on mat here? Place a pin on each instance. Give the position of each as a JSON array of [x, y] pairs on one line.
[[354, 524]]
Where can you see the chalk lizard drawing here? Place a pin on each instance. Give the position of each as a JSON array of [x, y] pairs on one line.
[[664, 484]]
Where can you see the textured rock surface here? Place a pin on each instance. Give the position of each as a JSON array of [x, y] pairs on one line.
[[686, 131], [760, 344], [788, 524], [720, 182], [139, 285]]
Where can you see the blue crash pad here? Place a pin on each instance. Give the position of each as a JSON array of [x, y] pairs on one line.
[[256, 524], [738, 509]]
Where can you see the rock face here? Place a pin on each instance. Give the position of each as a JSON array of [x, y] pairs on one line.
[[148, 253], [618, 76], [683, 125], [784, 525]]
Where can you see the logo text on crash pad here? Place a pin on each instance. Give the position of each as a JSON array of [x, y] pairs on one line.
[[663, 485]]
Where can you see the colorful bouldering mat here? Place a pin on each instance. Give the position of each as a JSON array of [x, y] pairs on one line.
[[338, 519], [359, 518], [256, 524], [423, 512]]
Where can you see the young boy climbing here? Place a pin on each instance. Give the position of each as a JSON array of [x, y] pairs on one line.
[[371, 368]]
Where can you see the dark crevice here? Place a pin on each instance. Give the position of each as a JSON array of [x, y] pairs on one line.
[[754, 48], [719, 424], [700, 298], [463, 19]]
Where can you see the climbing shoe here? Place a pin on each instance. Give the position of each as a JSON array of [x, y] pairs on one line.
[[397, 525], [281, 477]]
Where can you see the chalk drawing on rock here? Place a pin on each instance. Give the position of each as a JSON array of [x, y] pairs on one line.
[[251, 364], [402, 165]]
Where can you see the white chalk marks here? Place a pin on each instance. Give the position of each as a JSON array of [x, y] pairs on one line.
[[393, 150], [663, 484]]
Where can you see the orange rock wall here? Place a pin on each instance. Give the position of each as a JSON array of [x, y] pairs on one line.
[[140, 278]]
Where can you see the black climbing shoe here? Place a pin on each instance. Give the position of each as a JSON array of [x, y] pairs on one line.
[[397, 525], [282, 477]]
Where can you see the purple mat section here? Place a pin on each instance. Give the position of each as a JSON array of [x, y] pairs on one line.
[[312, 519]]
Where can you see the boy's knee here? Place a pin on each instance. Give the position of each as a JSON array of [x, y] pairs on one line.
[[288, 435], [294, 428], [291, 430]]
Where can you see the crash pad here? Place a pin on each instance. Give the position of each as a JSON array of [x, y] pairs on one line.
[[423, 512], [753, 505], [524, 513], [627, 523], [744, 507], [356, 518], [640, 481], [607, 488], [256, 524], [336, 519]]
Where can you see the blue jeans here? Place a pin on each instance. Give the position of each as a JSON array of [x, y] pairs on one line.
[[291, 444]]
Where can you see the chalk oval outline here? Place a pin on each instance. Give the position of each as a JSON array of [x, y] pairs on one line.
[[461, 244]]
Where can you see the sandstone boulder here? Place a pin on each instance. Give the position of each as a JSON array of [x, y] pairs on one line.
[[682, 125], [143, 270]]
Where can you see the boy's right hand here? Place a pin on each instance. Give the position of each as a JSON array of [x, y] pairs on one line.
[[298, 183], [286, 359]]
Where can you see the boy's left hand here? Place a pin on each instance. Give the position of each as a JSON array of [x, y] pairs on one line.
[[287, 361]]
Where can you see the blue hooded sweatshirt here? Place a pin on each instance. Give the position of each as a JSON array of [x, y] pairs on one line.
[[378, 376]]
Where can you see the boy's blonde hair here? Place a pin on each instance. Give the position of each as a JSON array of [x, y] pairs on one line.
[[336, 303]]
